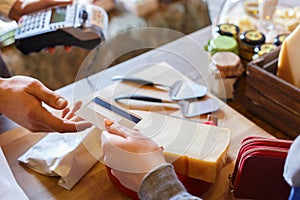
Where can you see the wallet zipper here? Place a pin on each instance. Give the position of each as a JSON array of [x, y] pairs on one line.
[[247, 153], [268, 141], [262, 142]]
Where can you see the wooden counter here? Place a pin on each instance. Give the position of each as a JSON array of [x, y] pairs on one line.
[[188, 57]]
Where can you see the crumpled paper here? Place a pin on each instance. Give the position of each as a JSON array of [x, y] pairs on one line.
[[68, 155]]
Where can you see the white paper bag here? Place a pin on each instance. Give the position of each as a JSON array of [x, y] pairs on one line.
[[68, 155]]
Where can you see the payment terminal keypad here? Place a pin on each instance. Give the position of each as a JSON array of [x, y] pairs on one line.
[[32, 22]]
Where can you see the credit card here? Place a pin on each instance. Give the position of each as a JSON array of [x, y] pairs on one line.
[[116, 110]]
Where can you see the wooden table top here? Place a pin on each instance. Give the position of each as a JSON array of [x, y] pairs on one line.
[[188, 57]]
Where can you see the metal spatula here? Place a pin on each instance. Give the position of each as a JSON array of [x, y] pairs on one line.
[[188, 108], [180, 90]]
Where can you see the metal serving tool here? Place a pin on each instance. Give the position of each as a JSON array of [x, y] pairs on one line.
[[180, 90], [188, 108]]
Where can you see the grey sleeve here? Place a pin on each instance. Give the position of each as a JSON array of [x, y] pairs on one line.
[[162, 184]]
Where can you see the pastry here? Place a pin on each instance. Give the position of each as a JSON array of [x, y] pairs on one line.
[[227, 64]]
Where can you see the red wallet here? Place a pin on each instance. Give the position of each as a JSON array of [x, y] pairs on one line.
[[258, 172]]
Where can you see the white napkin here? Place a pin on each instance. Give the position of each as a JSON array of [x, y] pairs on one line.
[[68, 155], [9, 188]]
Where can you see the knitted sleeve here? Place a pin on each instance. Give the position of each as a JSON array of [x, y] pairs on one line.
[[162, 184]]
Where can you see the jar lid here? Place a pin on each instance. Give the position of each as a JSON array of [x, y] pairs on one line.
[[253, 37], [264, 48], [278, 40], [226, 61], [228, 29], [223, 43]]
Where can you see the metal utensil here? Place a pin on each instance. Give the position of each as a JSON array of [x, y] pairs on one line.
[[188, 108], [196, 108], [180, 90], [143, 98]]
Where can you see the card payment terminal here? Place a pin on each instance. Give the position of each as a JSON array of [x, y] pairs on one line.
[[82, 25]]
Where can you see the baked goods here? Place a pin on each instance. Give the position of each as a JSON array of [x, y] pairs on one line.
[[227, 64], [245, 24], [288, 18], [251, 7], [224, 70]]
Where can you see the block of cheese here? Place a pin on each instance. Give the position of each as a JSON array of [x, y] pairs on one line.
[[289, 59], [195, 149]]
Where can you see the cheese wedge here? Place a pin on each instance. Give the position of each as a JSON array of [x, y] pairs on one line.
[[195, 149], [289, 59]]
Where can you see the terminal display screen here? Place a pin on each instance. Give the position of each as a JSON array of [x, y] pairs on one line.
[[58, 14]]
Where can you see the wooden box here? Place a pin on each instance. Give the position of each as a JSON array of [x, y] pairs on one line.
[[271, 98]]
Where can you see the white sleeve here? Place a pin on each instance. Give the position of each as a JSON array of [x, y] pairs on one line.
[[292, 164]]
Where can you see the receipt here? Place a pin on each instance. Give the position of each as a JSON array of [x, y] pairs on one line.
[[9, 188]]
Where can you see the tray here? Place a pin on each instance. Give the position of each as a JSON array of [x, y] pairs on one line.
[[271, 98]]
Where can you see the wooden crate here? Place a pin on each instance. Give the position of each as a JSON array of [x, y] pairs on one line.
[[271, 98]]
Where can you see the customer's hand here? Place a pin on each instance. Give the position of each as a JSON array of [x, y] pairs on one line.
[[126, 150], [22, 7], [21, 100]]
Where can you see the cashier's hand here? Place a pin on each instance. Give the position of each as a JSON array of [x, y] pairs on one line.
[[21, 100], [131, 141], [22, 7]]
